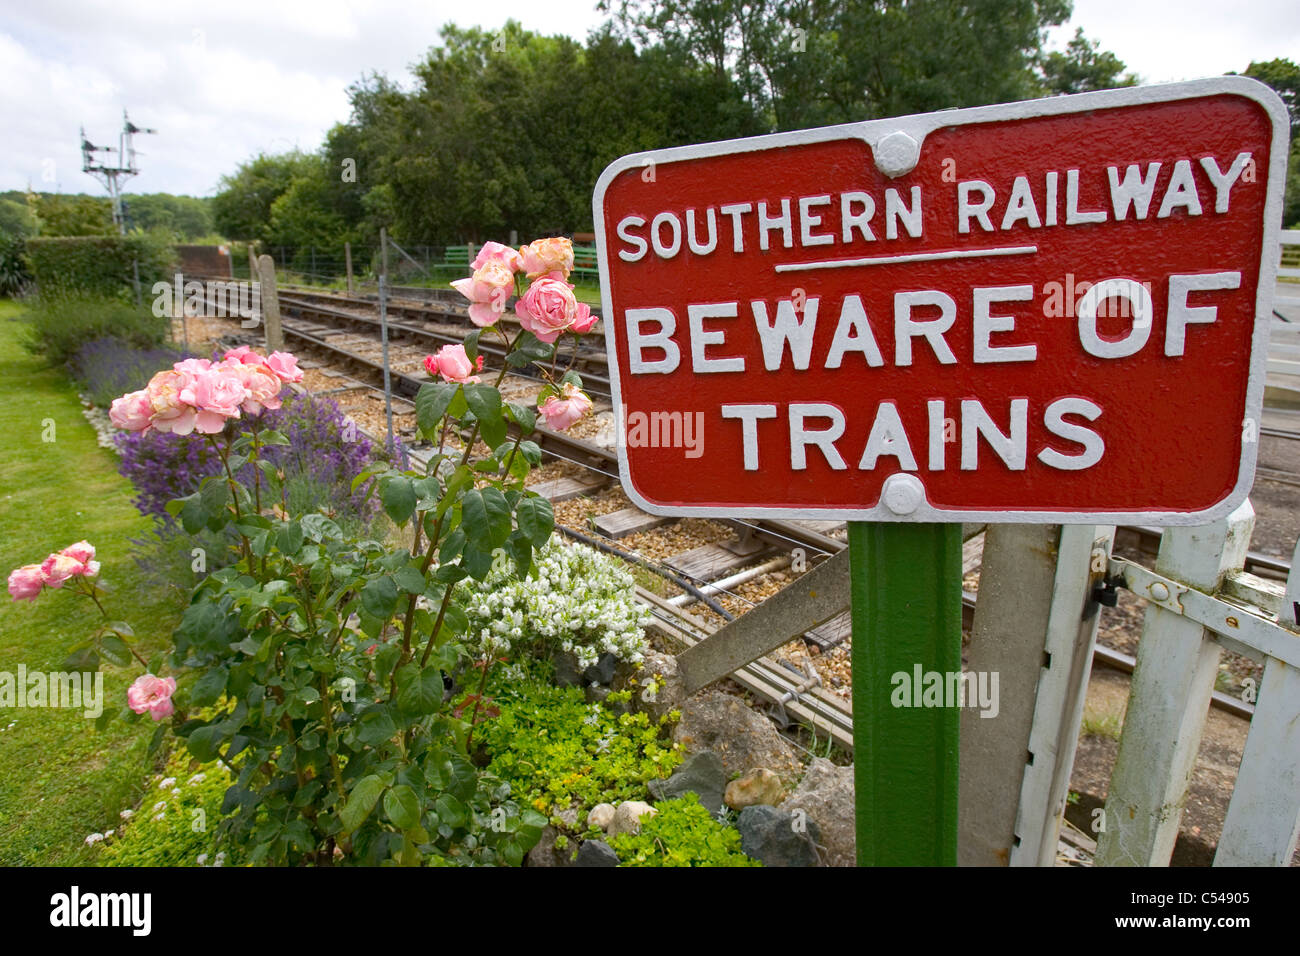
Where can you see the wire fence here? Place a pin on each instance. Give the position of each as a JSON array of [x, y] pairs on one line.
[[415, 263]]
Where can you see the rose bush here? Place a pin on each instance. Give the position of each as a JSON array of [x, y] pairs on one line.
[[332, 675]]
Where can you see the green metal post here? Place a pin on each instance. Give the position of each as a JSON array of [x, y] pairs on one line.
[[906, 594]]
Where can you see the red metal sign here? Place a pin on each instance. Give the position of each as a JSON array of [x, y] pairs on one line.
[[1044, 311]]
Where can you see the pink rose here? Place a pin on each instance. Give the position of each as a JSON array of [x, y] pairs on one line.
[[153, 694], [453, 365], [285, 365], [83, 552], [562, 411], [548, 255], [25, 583], [170, 413], [244, 356], [216, 395], [585, 320], [496, 252], [57, 568], [132, 412], [487, 290], [263, 386], [549, 308], [193, 366]]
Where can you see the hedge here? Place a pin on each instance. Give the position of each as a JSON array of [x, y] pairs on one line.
[[98, 265]]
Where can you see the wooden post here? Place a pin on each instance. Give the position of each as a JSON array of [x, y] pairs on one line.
[[347, 259], [252, 265], [270, 305], [1177, 662], [906, 591]]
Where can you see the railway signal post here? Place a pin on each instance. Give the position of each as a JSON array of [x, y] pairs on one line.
[[1053, 311]]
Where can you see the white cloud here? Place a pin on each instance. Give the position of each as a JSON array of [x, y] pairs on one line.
[[221, 82]]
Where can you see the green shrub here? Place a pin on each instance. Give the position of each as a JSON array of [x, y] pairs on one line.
[[100, 265], [62, 324], [682, 833], [14, 277], [176, 822], [559, 752]]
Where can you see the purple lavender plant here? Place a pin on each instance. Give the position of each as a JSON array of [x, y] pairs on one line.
[[108, 367], [319, 463]]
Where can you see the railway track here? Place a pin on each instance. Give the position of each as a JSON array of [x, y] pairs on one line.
[[340, 331]]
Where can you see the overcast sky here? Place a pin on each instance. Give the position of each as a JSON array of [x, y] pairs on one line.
[[220, 85]]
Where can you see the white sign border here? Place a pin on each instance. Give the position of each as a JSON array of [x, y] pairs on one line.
[[918, 127]]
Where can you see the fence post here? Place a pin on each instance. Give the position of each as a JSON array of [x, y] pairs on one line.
[[252, 264], [383, 332], [347, 258], [1263, 820], [1035, 630], [1177, 662], [270, 305]]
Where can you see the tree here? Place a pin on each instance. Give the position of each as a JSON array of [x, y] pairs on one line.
[[16, 218], [1284, 77], [242, 207], [811, 62], [1083, 67], [72, 215]]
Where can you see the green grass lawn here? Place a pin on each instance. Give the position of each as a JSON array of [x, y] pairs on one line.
[[60, 779]]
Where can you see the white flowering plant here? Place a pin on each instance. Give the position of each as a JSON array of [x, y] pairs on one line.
[[575, 599]]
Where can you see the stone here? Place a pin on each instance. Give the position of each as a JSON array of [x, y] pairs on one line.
[[595, 693], [596, 853], [701, 774], [742, 738], [627, 817], [759, 786], [825, 794], [773, 837], [667, 693], [566, 669], [601, 672], [601, 815], [569, 818], [545, 852]]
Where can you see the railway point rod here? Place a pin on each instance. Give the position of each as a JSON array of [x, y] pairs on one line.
[[906, 613]]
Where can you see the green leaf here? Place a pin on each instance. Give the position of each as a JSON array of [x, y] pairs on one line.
[[115, 650], [572, 377], [536, 519], [85, 660], [523, 415], [376, 727], [474, 560], [208, 688], [402, 806], [530, 349], [272, 437], [451, 811], [399, 498], [205, 742], [471, 344], [318, 527], [290, 538], [409, 580], [379, 597], [531, 451], [485, 402], [194, 517], [360, 802], [431, 403], [419, 692], [215, 493]]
